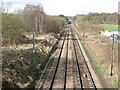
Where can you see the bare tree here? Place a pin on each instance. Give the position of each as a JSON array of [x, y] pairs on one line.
[[5, 5], [34, 16]]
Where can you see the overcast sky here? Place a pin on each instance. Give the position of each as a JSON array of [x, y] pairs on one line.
[[69, 7]]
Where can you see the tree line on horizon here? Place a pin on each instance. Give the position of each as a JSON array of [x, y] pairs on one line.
[[92, 21], [98, 18]]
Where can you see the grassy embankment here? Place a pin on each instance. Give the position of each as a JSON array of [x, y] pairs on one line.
[[100, 70], [93, 23], [22, 68]]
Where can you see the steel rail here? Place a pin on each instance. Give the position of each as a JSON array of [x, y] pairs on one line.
[[65, 74], [78, 68], [87, 66], [53, 78]]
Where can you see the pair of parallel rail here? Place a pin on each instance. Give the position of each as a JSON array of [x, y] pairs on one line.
[[75, 44]]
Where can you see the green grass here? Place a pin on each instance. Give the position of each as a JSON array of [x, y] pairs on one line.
[[109, 27]]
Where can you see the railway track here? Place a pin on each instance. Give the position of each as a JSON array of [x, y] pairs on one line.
[[69, 68]]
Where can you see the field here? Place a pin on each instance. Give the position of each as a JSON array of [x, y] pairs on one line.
[[109, 27]]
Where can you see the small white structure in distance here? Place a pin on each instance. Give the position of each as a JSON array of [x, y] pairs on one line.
[[106, 33]]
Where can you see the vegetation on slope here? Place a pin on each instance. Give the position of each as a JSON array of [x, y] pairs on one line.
[[31, 19], [22, 67]]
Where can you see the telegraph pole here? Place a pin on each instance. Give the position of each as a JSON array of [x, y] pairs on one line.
[[112, 61], [33, 42]]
